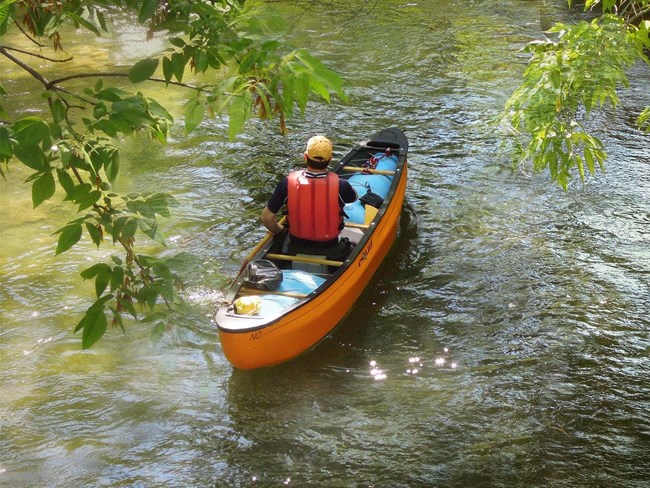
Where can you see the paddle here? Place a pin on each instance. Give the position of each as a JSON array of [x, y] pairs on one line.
[[257, 248]]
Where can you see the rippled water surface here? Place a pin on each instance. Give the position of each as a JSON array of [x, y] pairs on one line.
[[505, 341]]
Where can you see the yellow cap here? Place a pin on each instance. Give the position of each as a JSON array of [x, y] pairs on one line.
[[319, 148]]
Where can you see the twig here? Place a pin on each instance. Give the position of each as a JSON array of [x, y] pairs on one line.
[[28, 36], [639, 15]]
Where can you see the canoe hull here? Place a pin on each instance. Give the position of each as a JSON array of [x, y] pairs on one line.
[[301, 328]]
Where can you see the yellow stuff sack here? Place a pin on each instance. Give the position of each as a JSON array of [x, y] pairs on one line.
[[250, 305]]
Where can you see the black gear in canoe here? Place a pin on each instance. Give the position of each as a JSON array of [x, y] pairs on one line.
[[263, 275]]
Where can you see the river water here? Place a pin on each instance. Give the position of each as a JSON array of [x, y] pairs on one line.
[[504, 342]]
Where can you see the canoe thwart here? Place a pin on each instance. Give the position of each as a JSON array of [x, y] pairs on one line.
[[366, 170], [304, 259]]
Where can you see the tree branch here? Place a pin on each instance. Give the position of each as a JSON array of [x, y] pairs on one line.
[[124, 75], [27, 35], [38, 55], [52, 84], [29, 69]]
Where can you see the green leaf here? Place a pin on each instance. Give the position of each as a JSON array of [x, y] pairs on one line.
[[79, 20], [589, 159], [94, 233], [130, 228], [160, 203], [319, 87], [70, 235], [143, 70], [194, 112], [110, 94], [94, 327], [59, 111], [78, 192], [91, 272], [32, 156], [43, 188], [128, 306], [177, 41], [117, 278], [201, 61], [643, 120], [112, 169], [323, 74], [288, 88], [5, 145], [147, 10], [248, 61], [89, 199], [100, 110], [581, 167], [239, 111], [102, 21], [149, 294], [117, 320], [102, 280], [6, 8], [302, 91], [178, 65], [89, 315], [150, 229], [168, 69], [551, 159], [30, 131]]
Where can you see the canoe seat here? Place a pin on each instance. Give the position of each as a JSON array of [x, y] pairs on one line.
[[310, 267], [353, 233]]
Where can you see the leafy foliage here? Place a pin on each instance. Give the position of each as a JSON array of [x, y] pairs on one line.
[[75, 147], [582, 69]]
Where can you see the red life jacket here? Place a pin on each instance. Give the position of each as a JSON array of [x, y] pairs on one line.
[[313, 205]]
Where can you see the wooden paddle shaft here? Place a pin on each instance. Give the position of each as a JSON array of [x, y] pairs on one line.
[[259, 246]]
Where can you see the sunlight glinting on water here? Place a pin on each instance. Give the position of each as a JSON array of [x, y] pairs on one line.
[[416, 365]]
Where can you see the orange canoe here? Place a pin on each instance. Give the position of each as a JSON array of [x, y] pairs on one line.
[[315, 292]]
